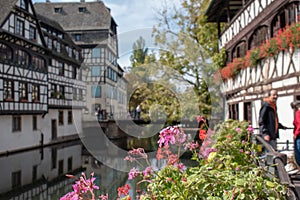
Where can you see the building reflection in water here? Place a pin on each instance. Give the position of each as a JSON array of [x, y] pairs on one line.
[[39, 174]]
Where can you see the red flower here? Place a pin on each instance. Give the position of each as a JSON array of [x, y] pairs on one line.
[[286, 39], [202, 134], [123, 190]]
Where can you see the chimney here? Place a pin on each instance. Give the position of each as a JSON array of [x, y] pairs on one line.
[[82, 1]]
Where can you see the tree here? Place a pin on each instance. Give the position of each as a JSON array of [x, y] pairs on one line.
[[139, 52], [154, 94], [188, 44]]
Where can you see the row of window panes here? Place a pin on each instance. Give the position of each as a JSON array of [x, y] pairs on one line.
[[61, 117], [57, 46], [8, 91], [20, 29], [17, 121], [57, 91], [60, 9], [98, 52], [23, 58], [112, 58], [112, 74], [61, 70], [53, 32]]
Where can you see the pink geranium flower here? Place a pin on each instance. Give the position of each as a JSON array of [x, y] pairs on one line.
[[133, 173]]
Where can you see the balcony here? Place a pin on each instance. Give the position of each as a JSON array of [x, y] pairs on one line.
[[247, 19]]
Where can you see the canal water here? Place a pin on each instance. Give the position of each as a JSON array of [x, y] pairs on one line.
[[39, 174]]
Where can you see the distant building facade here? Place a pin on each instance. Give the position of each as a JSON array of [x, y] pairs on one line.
[[94, 30], [251, 25], [38, 73]]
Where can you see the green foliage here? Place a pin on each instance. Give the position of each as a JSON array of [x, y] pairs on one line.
[[228, 173], [254, 57], [156, 95], [140, 53], [219, 59], [188, 44]]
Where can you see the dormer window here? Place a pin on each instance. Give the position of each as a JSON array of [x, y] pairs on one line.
[[23, 4], [77, 37], [58, 10], [82, 9]]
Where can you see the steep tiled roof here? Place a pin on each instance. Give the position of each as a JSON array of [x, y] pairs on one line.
[[95, 16], [6, 7], [56, 26]]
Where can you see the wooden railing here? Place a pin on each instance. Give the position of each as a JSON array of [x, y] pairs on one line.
[[277, 161]]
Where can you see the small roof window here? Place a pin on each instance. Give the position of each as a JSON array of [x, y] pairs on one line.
[[24, 4], [58, 10], [82, 9]]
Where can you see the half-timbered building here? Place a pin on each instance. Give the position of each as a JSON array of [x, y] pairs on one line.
[[32, 112], [66, 88], [92, 27], [260, 56]]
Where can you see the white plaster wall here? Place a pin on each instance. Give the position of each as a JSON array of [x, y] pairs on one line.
[[62, 130], [20, 139], [255, 114], [286, 117], [241, 111], [28, 137]]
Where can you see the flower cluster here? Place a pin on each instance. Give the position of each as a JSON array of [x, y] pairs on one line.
[[82, 189], [172, 135], [286, 39], [225, 168]]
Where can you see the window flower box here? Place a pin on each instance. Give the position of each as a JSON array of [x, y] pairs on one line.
[[9, 99], [287, 39]]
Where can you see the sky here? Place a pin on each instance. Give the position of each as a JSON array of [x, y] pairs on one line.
[[134, 18]]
